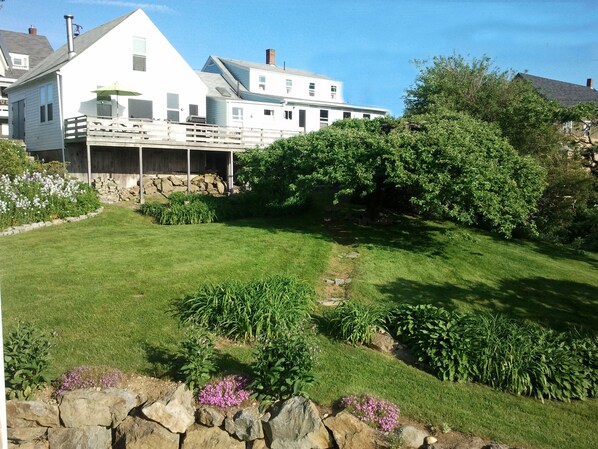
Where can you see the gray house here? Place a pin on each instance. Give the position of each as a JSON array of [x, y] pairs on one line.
[[19, 53]]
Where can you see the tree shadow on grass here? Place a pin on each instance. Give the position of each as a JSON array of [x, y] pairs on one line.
[[557, 304]]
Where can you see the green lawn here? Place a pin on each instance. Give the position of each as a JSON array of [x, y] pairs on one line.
[[104, 285]]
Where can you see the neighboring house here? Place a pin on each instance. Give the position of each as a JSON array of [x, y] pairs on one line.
[[19, 53], [567, 95], [255, 95]]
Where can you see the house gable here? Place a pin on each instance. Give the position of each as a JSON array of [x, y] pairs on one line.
[[565, 94]]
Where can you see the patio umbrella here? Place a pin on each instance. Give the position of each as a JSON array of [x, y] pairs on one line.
[[117, 89]]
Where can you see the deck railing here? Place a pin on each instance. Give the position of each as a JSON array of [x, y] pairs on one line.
[[148, 133]]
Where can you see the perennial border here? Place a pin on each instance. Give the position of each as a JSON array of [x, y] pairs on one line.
[[42, 224]]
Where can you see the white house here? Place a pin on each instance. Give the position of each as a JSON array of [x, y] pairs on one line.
[[19, 53], [255, 95], [129, 50]]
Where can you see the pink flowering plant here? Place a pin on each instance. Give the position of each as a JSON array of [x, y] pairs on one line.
[[383, 415], [89, 377], [230, 391]]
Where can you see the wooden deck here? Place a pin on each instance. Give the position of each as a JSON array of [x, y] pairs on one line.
[[122, 132]]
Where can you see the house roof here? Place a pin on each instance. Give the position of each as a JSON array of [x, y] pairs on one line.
[[217, 85], [60, 57], [566, 94], [270, 68], [35, 46]]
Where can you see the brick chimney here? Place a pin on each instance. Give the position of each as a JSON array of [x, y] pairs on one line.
[[32, 30], [590, 83], [271, 56]]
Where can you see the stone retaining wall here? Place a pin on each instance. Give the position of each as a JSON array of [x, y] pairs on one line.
[[116, 418]]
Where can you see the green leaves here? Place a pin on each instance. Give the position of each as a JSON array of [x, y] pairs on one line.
[[245, 311], [26, 361], [197, 352], [355, 322], [283, 365]]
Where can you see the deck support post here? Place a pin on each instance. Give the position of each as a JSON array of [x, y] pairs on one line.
[[88, 165], [230, 173], [141, 193], [188, 171]]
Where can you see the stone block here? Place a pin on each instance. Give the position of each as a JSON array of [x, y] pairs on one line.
[[31, 414]]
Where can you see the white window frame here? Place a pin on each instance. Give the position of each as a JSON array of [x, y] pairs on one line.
[[288, 115], [269, 112], [262, 82], [289, 84], [333, 90], [18, 61], [172, 107], [312, 89], [237, 113]]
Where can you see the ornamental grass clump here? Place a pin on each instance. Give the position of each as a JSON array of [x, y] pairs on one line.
[[89, 377], [247, 310], [355, 322], [230, 391], [383, 415]]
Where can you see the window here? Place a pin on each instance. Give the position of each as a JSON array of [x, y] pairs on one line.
[[288, 115], [193, 109], [46, 103], [140, 108], [312, 89], [139, 54], [366, 116], [289, 86], [323, 116], [19, 61], [269, 112], [172, 107], [237, 113], [332, 92], [262, 84], [346, 115]]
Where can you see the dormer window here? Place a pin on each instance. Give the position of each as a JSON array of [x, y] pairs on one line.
[[333, 92], [20, 62], [312, 89], [289, 86], [262, 83], [139, 54]]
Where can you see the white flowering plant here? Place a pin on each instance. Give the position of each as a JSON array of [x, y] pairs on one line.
[[33, 196]]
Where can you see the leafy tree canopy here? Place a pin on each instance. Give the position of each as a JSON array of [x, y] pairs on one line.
[[445, 164]]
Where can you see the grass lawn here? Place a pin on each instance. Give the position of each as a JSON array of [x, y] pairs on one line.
[[104, 286]]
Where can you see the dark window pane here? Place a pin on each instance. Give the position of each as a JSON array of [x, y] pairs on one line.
[[139, 63]]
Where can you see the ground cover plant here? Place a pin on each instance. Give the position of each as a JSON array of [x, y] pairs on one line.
[[109, 305], [378, 413], [89, 377]]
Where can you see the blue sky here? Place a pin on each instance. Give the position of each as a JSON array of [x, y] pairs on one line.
[[370, 45]]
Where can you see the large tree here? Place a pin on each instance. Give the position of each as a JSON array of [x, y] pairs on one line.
[[445, 164], [529, 122]]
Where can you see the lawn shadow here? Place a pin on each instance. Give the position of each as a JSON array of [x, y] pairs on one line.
[[227, 364], [164, 361], [558, 304]]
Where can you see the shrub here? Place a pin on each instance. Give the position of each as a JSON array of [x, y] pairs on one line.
[[89, 377], [434, 335], [32, 197], [26, 361], [231, 391], [355, 322], [14, 159], [283, 366], [196, 209], [506, 354], [382, 415], [246, 310], [197, 352]]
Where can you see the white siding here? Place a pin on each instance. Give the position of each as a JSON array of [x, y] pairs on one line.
[[110, 59], [276, 84]]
